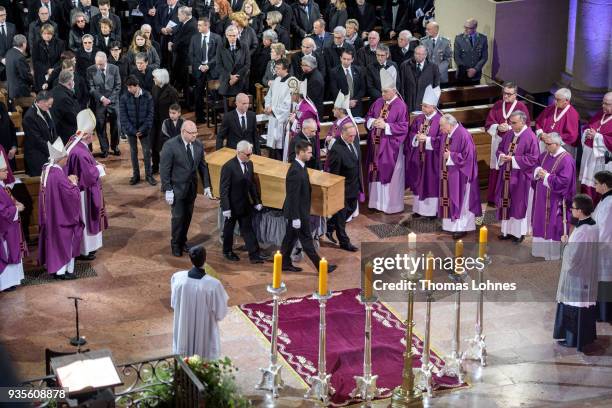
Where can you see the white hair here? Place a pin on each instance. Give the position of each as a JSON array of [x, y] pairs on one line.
[[555, 138], [405, 33], [309, 123], [564, 93], [186, 11], [422, 47], [520, 114], [244, 146], [142, 27], [310, 41], [101, 55], [310, 61], [231, 28], [162, 76], [340, 30], [450, 119]]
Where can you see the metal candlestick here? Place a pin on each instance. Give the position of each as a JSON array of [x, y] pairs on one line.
[[365, 387], [77, 340], [476, 348], [271, 376], [453, 366], [320, 388], [425, 382]]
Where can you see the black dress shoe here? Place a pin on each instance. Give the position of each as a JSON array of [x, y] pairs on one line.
[[230, 256], [134, 180], [177, 252], [503, 237], [518, 240], [186, 248], [349, 247], [292, 268], [432, 217], [330, 236], [416, 215], [151, 181], [459, 235], [261, 257], [88, 257], [116, 152], [331, 268], [68, 276], [11, 289], [563, 343], [255, 260]]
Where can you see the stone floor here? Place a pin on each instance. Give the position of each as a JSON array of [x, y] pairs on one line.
[[126, 309]]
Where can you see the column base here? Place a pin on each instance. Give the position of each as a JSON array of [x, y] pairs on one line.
[[587, 102]]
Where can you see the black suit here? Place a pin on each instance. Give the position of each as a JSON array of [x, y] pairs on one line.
[[365, 56], [331, 55], [239, 195], [103, 45], [231, 131], [314, 162], [181, 40], [302, 22], [197, 58], [236, 5], [398, 56], [365, 17], [85, 60], [285, 10], [414, 82], [315, 88], [373, 78], [296, 61], [345, 163], [180, 175], [338, 82], [6, 43], [387, 18], [233, 63], [297, 207], [38, 131], [65, 110], [283, 36], [145, 79], [18, 76], [163, 16]]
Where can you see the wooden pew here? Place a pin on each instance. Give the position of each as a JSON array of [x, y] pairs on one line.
[[482, 140], [17, 120], [470, 115], [469, 95]]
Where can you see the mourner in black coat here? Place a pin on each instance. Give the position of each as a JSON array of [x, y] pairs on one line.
[[232, 131], [415, 75], [338, 82], [203, 59], [65, 110], [39, 128], [234, 64]]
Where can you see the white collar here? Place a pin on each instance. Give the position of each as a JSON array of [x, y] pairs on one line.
[[558, 152], [520, 131], [391, 101], [240, 114], [2, 183], [345, 69], [507, 114], [435, 38], [432, 115], [186, 143], [240, 161], [453, 131], [300, 162]]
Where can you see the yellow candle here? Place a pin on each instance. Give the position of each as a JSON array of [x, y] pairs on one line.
[[323, 276], [429, 269], [482, 250], [367, 280], [412, 241], [458, 252], [277, 270]]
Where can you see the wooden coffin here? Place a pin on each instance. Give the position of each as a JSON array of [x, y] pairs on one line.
[[327, 189]]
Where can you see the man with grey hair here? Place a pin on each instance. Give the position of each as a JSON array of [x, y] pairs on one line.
[[416, 75], [239, 197], [18, 74], [179, 46], [404, 49], [373, 88], [321, 38], [366, 55], [307, 134], [315, 82], [459, 190], [202, 56], [471, 53], [438, 49], [554, 185], [65, 106], [560, 117], [333, 52], [234, 64], [309, 48], [147, 31]]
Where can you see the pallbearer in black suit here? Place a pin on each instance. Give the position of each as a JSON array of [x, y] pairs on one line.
[[345, 160], [239, 124], [239, 197], [296, 209], [182, 159], [308, 135]]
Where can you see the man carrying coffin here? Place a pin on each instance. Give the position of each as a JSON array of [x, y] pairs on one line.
[[304, 109], [59, 215], [459, 191], [516, 157], [561, 118], [554, 184], [423, 156], [498, 123], [342, 115], [278, 106], [89, 172], [603, 217], [12, 245], [596, 148], [387, 122]]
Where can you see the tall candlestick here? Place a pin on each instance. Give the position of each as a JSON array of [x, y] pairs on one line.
[[277, 270], [429, 269], [412, 237], [458, 255], [367, 280], [323, 277], [482, 250]]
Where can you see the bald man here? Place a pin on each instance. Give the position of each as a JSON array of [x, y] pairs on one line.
[[239, 124]]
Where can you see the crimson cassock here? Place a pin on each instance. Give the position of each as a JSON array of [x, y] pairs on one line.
[[562, 121], [460, 193], [12, 245], [512, 191], [499, 113], [593, 153], [59, 219], [550, 193], [423, 164]]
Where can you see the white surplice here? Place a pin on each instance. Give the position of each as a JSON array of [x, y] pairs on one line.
[[279, 99]]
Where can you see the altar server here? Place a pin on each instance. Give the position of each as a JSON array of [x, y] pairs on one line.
[[422, 150], [277, 104], [12, 245], [603, 218], [554, 184], [387, 123], [89, 172], [498, 123], [596, 148], [59, 215], [516, 156], [200, 303], [459, 190], [304, 109], [562, 118], [575, 321]]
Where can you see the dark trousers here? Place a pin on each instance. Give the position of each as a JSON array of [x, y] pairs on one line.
[[21, 194], [103, 116], [246, 231], [338, 221], [182, 210], [200, 94], [304, 234], [145, 143], [276, 154], [156, 146]]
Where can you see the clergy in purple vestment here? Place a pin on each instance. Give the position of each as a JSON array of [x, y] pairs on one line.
[[12, 245], [305, 109], [516, 157], [554, 186], [59, 215], [459, 190], [422, 152], [82, 164], [562, 118], [10, 178], [498, 123], [387, 123]]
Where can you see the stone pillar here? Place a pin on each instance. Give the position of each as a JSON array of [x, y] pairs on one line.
[[591, 77]]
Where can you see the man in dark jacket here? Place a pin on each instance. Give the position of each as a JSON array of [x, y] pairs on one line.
[[239, 124], [143, 72], [18, 75], [65, 106], [94, 24], [404, 49], [308, 135], [203, 58], [136, 120], [7, 32], [333, 52], [348, 79], [415, 75], [234, 64], [281, 7], [181, 39], [364, 13], [305, 13], [36, 25], [315, 84], [39, 129], [374, 90], [308, 48]]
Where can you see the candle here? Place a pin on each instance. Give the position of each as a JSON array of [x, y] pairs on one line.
[[412, 241], [429, 269], [323, 277], [277, 270], [367, 280], [458, 253], [482, 250]]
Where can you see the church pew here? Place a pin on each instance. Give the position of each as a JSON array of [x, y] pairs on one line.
[[470, 115], [19, 162], [20, 140], [468, 95], [17, 120], [482, 140]]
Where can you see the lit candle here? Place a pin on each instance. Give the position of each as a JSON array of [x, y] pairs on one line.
[[412, 241], [323, 277], [482, 250], [277, 270], [367, 280], [458, 253], [429, 269]]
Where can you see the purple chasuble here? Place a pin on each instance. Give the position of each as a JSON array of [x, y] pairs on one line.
[[385, 157], [423, 177], [82, 164], [547, 216], [464, 171], [306, 110], [10, 232], [526, 154], [59, 219], [11, 178]]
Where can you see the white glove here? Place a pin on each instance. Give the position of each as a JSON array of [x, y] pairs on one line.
[[227, 214], [170, 197], [208, 193], [296, 223], [258, 207]]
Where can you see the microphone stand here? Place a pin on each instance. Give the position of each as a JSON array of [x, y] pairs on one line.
[[77, 341]]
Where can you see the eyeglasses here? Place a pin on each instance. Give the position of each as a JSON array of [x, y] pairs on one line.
[[509, 93], [247, 154], [87, 42], [191, 133], [574, 208], [3, 15]]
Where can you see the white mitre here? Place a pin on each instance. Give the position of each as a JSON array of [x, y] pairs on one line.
[[57, 151], [431, 95], [342, 101], [86, 122], [386, 80]]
